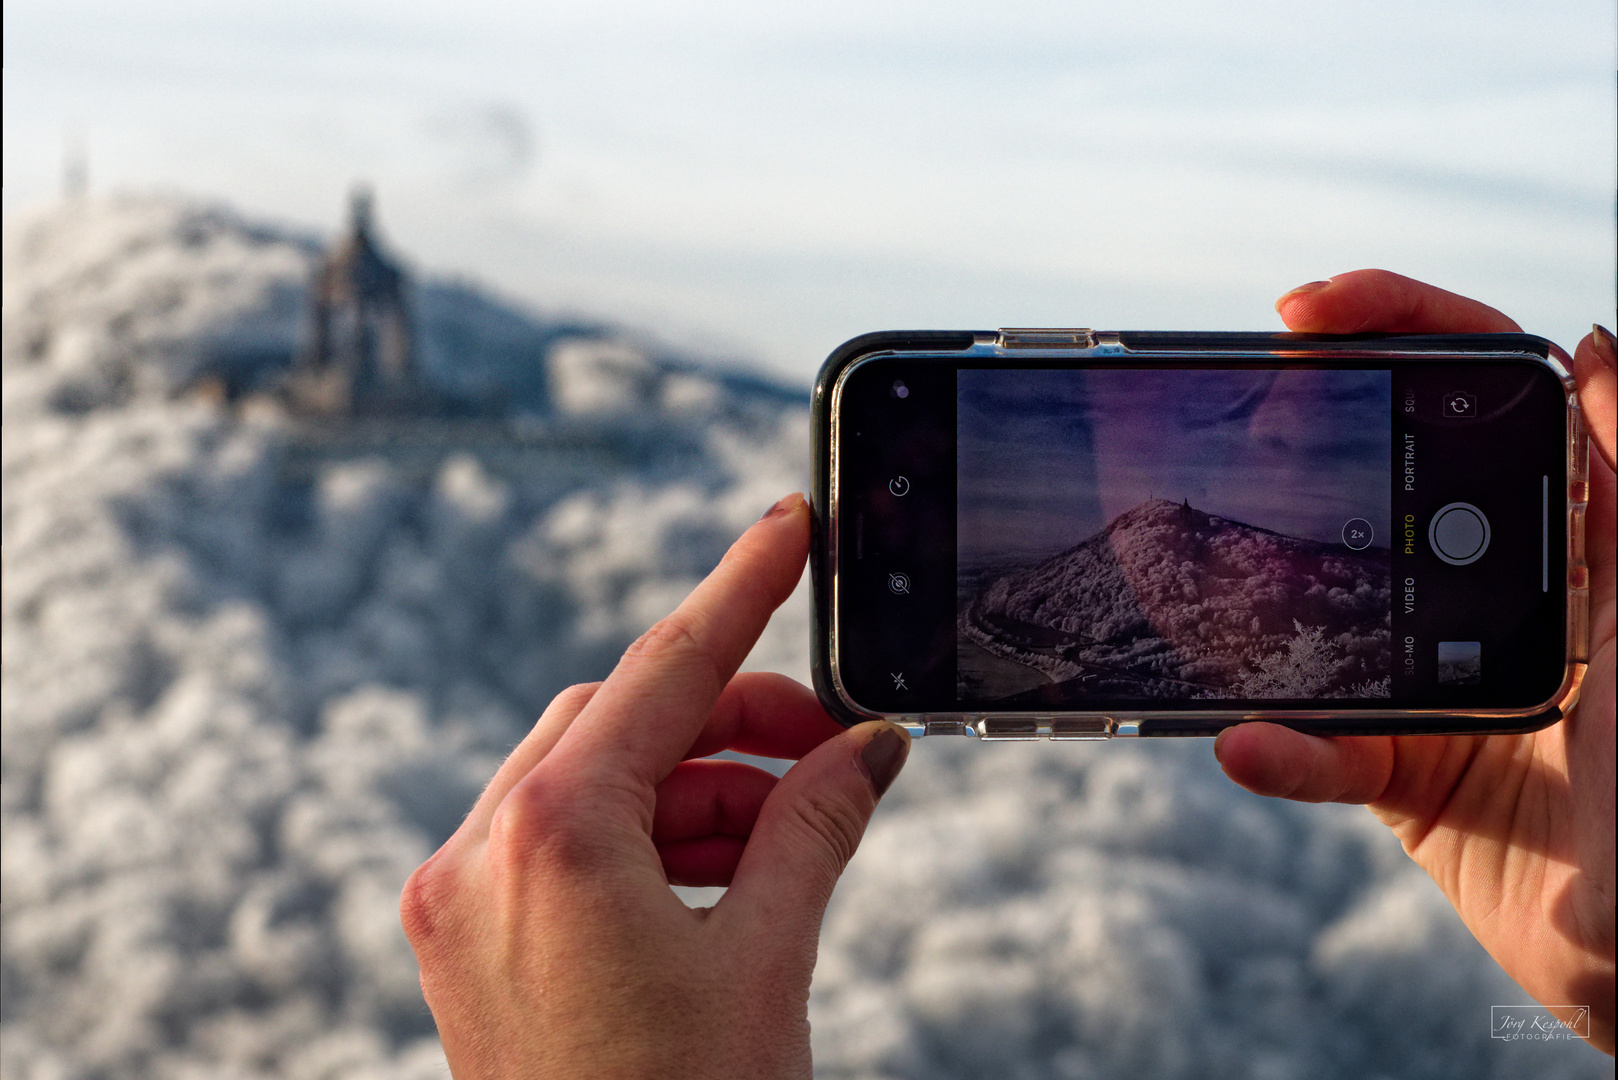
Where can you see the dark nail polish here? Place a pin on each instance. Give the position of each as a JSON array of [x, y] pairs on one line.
[[785, 505], [1606, 347], [884, 756]]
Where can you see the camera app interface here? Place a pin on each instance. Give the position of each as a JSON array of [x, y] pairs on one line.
[[1174, 534]]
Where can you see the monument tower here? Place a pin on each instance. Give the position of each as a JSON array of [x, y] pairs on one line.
[[362, 356]]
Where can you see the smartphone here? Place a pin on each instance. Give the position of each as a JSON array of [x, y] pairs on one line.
[[1063, 533]]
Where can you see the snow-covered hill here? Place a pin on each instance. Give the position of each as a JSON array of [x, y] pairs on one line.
[[1169, 601], [254, 672]]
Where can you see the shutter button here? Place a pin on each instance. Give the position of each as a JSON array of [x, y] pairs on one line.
[[1459, 534]]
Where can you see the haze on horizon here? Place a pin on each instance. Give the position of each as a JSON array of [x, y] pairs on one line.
[[770, 181]]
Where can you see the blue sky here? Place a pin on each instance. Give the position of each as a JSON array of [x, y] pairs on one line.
[[768, 180], [1048, 458]]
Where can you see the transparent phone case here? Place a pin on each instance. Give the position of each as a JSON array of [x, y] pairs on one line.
[[1019, 345]]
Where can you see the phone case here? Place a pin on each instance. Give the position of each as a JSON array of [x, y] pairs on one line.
[[1079, 343]]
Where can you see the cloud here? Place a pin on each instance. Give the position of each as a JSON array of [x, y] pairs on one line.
[[484, 145]]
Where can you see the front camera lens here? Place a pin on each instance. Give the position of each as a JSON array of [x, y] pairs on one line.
[[900, 390]]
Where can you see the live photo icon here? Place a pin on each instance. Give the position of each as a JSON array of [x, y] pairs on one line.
[[1537, 1023]]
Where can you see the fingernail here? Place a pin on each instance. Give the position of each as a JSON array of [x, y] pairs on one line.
[[884, 756], [1606, 347], [785, 505], [1218, 745], [1313, 286]]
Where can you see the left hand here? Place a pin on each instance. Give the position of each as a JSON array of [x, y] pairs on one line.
[[549, 940]]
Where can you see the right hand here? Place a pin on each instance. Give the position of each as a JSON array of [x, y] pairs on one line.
[[1516, 829]]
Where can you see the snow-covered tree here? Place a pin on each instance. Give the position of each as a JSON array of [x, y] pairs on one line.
[[1305, 668]]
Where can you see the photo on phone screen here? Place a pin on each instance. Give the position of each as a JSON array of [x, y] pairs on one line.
[[1173, 534]]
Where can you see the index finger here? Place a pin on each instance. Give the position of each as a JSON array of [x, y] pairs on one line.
[[655, 703], [1377, 301]]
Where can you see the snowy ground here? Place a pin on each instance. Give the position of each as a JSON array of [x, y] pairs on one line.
[[242, 700]]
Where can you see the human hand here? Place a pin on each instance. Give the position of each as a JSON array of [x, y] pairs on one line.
[[1516, 829], [549, 940]]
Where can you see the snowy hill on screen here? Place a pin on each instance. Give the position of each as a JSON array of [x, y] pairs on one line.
[[1170, 601]]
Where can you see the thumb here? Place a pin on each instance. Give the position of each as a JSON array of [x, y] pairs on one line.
[[811, 823]]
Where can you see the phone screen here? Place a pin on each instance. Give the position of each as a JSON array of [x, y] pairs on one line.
[[1161, 537]]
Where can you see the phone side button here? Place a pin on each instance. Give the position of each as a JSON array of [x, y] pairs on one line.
[[1077, 727], [1011, 727], [1126, 729]]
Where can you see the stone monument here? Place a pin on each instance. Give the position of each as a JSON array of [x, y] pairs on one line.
[[361, 359]]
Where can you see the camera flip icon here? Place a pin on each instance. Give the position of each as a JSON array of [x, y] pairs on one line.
[[1460, 405]]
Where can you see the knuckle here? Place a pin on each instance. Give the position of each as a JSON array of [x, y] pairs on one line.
[[671, 634], [538, 827], [574, 698], [831, 825], [428, 898], [675, 638], [527, 811]]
